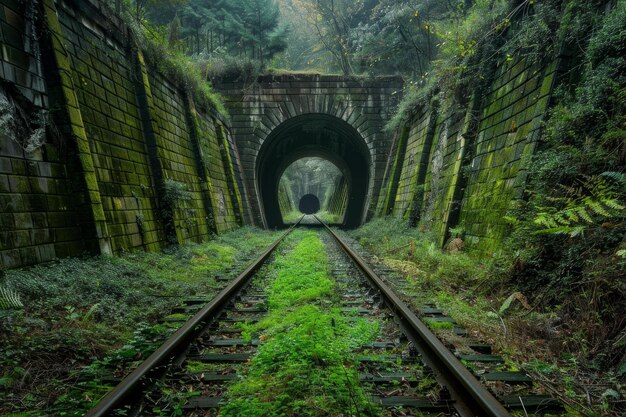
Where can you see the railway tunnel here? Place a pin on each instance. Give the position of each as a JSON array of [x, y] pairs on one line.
[[314, 135]]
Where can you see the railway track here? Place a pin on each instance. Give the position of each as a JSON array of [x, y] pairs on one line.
[[405, 371]]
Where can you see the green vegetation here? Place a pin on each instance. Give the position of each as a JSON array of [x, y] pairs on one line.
[[172, 62], [328, 217], [222, 39], [489, 296], [92, 319], [305, 365]]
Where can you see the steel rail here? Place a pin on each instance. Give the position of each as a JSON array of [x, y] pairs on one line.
[[472, 399], [179, 341]]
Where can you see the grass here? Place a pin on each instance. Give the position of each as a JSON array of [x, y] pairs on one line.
[[292, 217], [329, 218], [305, 366], [88, 319]]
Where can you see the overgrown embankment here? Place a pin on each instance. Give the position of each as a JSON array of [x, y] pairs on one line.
[[85, 321], [553, 342], [512, 151]]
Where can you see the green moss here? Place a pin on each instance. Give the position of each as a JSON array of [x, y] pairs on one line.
[[305, 364], [229, 168], [438, 325]]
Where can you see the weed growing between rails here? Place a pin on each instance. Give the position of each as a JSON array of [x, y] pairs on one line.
[[88, 320], [305, 366]]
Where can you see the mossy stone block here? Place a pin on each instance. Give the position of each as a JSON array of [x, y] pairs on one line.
[[11, 258]]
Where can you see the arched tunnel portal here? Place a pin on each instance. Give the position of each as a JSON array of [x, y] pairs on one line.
[[314, 135]]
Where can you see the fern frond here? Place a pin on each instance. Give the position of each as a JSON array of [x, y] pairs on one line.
[[617, 176], [562, 230], [545, 220], [582, 212], [597, 207], [560, 219], [578, 230], [572, 215], [621, 96], [613, 204], [9, 299]]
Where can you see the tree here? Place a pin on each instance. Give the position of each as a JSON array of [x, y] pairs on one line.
[[333, 21], [243, 28], [158, 11], [399, 37]]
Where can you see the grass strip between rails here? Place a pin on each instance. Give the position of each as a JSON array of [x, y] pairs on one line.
[[305, 367]]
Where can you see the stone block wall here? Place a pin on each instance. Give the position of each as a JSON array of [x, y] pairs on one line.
[[116, 130], [178, 160], [225, 195], [418, 140], [19, 64], [40, 217], [104, 83], [508, 131], [338, 200], [462, 165]]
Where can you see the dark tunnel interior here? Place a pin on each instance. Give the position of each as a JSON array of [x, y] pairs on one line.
[[309, 204], [314, 135]]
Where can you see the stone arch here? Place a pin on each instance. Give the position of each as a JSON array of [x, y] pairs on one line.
[[258, 109], [318, 135]]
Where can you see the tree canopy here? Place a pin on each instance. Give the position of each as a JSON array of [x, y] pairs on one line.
[[332, 36]]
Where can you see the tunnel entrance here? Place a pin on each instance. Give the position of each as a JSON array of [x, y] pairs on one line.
[[314, 136], [309, 204]]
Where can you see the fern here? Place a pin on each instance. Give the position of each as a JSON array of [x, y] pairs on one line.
[[9, 299], [619, 177], [596, 200]]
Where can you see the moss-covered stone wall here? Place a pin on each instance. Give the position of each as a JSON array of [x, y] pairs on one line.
[[116, 130], [104, 85], [338, 201], [40, 215], [508, 132], [462, 166], [176, 153]]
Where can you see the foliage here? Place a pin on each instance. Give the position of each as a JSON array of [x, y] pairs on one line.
[[9, 299], [212, 32], [446, 40], [226, 67], [329, 218], [175, 191], [90, 319], [398, 38], [578, 185], [413, 251], [568, 234], [305, 365], [595, 201], [27, 128], [535, 35], [173, 63], [333, 22], [415, 95]]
